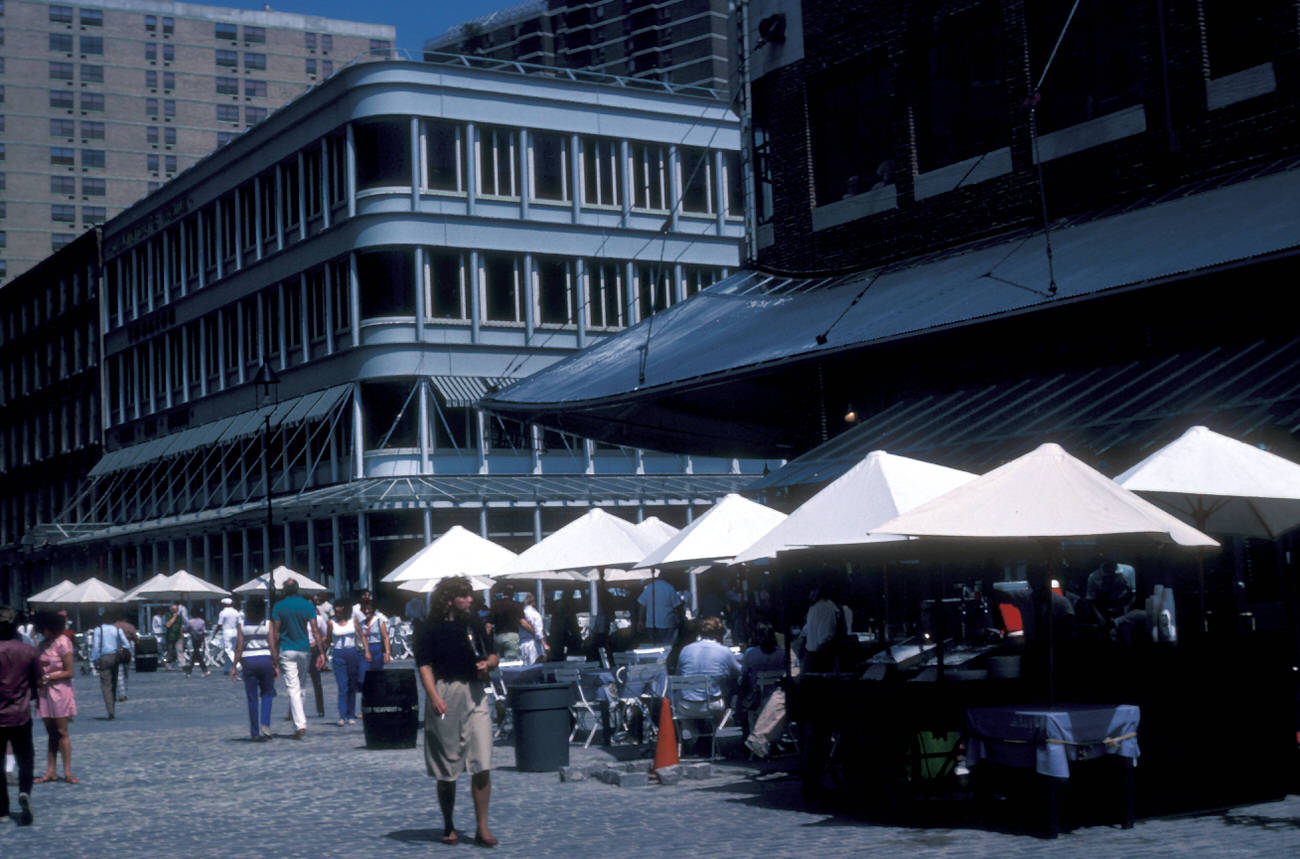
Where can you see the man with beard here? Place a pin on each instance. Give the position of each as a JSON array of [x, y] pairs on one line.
[[454, 657]]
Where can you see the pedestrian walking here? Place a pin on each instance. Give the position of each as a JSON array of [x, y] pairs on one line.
[[318, 632], [174, 627], [197, 627], [19, 676], [124, 665], [373, 629], [347, 662], [229, 619], [454, 658], [253, 660], [292, 649], [56, 702], [107, 646]]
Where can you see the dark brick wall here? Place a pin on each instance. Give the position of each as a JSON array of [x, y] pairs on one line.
[[1184, 140]]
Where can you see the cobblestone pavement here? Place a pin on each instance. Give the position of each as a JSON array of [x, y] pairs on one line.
[[175, 775]]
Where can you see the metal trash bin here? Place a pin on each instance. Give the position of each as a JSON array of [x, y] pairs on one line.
[[146, 653], [542, 726], [390, 709]]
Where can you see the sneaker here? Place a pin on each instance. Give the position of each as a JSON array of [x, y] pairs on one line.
[[121, 698], [299, 734], [266, 731], [206, 673], [4, 818], [757, 746], [25, 816]]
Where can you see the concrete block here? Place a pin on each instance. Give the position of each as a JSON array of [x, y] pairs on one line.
[[608, 775], [697, 771], [669, 775], [572, 774], [631, 779]]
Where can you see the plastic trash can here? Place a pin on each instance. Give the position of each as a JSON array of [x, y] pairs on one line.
[[146, 653], [390, 709], [541, 714]]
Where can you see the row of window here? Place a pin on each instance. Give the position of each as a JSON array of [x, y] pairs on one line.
[[68, 425], [40, 308], [90, 186], [86, 17], [230, 113], [91, 129], [66, 99], [66, 156], [85, 45], [66, 213], [90, 74], [56, 358], [253, 62], [607, 171], [230, 86]]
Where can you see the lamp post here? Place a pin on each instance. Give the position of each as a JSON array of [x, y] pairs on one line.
[[270, 382]]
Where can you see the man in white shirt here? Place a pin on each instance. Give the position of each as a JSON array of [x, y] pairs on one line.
[[229, 619], [532, 633]]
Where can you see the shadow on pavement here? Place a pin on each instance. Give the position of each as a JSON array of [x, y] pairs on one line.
[[416, 836]]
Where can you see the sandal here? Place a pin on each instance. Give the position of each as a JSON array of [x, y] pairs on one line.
[[45, 779], [72, 779], [449, 837], [485, 841]]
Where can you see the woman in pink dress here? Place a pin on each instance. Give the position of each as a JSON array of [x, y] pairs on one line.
[[57, 704]]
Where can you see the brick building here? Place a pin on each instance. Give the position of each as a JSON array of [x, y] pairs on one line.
[[103, 101]]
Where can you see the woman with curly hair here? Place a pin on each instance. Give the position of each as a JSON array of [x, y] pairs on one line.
[[454, 655]]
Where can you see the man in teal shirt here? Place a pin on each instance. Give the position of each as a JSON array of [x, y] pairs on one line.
[[290, 645]]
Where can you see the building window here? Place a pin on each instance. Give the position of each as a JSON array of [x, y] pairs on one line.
[[227, 86], [227, 113], [443, 147], [92, 74], [254, 35], [326, 42], [309, 41], [1098, 66], [169, 81], [61, 42], [151, 80], [316, 305], [289, 194], [59, 241], [60, 14], [150, 23], [312, 181], [62, 71], [555, 301], [326, 68], [226, 31], [91, 17], [697, 180], [254, 62], [227, 59], [255, 89], [92, 130], [699, 278], [93, 187], [151, 52], [445, 275], [550, 166], [654, 288], [852, 139], [383, 152], [224, 137], [169, 53], [92, 101], [340, 304], [380, 47], [169, 164], [92, 45], [310, 67], [254, 115], [64, 213], [151, 108], [93, 215], [600, 182], [501, 288], [961, 111], [62, 128], [93, 158], [168, 26], [63, 185], [649, 170], [62, 156], [386, 283], [496, 161], [604, 294]]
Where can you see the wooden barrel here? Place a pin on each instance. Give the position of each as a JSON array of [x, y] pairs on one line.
[[390, 709]]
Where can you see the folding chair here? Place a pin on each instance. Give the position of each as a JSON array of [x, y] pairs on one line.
[[681, 711], [585, 713], [497, 689], [639, 684]]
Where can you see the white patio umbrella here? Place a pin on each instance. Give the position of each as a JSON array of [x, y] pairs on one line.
[[51, 593], [425, 586], [877, 489], [728, 527], [1045, 496], [1220, 485], [279, 576], [146, 587], [655, 529], [459, 552], [90, 592]]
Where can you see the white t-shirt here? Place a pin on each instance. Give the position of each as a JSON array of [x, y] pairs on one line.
[[228, 620], [372, 630], [344, 634]]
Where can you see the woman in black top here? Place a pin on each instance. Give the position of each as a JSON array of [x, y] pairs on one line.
[[454, 657]]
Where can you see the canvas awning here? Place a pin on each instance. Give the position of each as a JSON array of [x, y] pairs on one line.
[[463, 392]]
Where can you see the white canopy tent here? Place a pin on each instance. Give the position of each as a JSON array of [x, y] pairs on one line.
[[877, 489], [279, 576], [458, 552], [1045, 496]]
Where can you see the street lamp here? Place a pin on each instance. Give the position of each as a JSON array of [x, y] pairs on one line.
[[270, 383]]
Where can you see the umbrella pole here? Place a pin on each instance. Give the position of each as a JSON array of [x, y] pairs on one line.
[[941, 624], [884, 602], [1051, 633]]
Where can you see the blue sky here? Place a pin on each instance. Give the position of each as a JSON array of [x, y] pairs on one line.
[[415, 20]]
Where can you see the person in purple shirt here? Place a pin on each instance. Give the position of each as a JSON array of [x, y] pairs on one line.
[[19, 676]]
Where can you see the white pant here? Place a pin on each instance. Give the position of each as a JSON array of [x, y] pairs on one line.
[[228, 645], [293, 665]]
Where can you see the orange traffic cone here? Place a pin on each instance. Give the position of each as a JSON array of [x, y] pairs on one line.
[[666, 746]]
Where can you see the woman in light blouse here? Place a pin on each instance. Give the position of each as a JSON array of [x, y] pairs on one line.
[[342, 633]]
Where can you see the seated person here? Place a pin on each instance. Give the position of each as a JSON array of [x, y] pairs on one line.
[[710, 657], [687, 633], [763, 656]]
